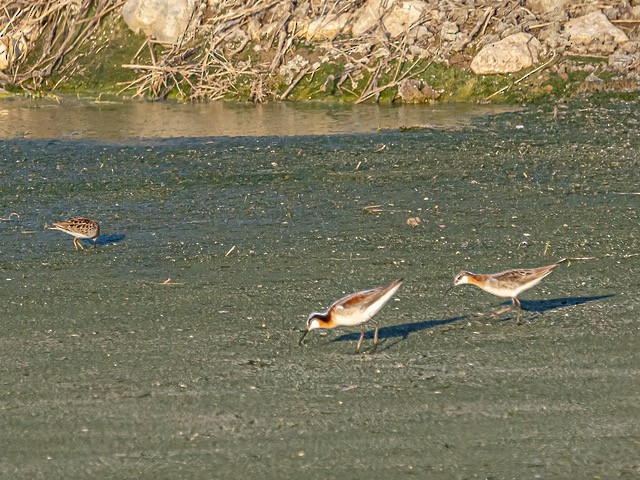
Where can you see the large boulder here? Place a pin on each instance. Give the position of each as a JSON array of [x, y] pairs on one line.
[[594, 33], [164, 20], [509, 55]]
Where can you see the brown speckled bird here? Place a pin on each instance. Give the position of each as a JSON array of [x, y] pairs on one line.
[[78, 227]]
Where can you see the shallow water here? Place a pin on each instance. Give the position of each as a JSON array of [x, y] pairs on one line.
[[170, 350], [117, 121]]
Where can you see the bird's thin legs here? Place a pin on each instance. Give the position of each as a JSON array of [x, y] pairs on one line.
[[360, 339]]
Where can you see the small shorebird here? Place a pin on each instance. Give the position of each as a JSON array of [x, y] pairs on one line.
[[355, 309], [508, 284], [79, 227]]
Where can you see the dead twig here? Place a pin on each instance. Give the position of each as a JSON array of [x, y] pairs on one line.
[[395, 82], [295, 82], [372, 209], [527, 75], [482, 24]]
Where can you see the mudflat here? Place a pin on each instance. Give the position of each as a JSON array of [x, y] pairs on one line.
[[171, 349]]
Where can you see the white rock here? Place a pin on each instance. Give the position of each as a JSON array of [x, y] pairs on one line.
[[545, 6], [165, 20], [368, 16], [623, 61], [511, 54], [11, 49], [327, 28], [292, 68], [449, 31], [4, 56], [397, 16], [593, 27], [402, 16]]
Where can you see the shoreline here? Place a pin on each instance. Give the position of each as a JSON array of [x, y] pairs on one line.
[[280, 52]]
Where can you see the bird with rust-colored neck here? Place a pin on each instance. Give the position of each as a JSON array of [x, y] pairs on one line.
[[507, 284], [78, 227], [355, 309]]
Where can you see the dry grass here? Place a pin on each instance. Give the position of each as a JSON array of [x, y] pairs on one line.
[[40, 34], [240, 48]]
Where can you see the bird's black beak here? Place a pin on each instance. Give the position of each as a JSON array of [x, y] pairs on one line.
[[446, 292]]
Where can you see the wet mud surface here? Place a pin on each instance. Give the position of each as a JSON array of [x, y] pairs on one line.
[[171, 349]]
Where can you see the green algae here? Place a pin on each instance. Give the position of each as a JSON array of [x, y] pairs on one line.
[[100, 61]]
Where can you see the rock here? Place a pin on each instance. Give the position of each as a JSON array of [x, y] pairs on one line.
[[550, 10], [164, 20], [623, 61], [544, 7], [449, 32], [507, 56], [594, 33], [556, 41], [412, 91], [397, 17], [592, 78], [327, 28], [291, 69], [367, 17], [4, 56], [11, 50], [423, 33], [402, 16], [632, 46]]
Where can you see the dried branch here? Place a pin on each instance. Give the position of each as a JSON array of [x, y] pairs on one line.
[[54, 28], [537, 69]]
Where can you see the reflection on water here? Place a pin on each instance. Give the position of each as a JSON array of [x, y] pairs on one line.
[[73, 118]]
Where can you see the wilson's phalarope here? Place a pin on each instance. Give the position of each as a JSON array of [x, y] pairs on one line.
[[355, 309], [79, 227], [508, 284]]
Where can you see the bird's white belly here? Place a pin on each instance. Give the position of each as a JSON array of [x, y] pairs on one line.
[[504, 292], [352, 320]]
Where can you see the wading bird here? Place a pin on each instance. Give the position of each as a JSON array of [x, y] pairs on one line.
[[78, 227], [507, 284], [355, 309]]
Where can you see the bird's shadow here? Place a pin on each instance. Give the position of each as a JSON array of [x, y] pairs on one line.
[[541, 306], [106, 239], [401, 331]]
